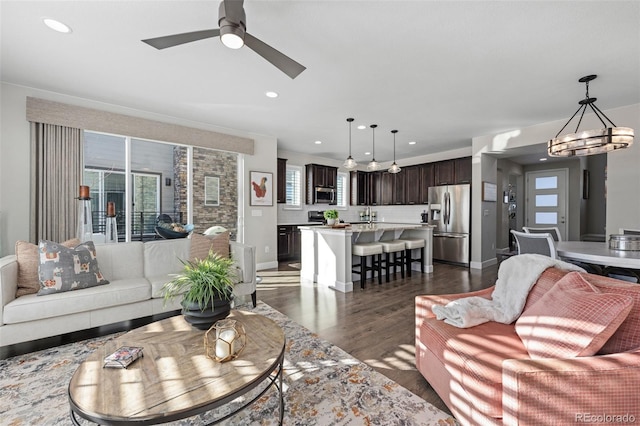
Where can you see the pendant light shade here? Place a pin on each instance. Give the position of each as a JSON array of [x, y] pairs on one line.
[[589, 142], [373, 164], [349, 163], [394, 167]]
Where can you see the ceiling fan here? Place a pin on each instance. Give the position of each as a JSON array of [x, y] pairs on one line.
[[233, 34]]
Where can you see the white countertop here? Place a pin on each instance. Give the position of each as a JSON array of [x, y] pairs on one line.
[[598, 253], [368, 227]]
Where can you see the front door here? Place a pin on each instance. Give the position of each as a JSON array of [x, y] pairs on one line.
[[547, 199]]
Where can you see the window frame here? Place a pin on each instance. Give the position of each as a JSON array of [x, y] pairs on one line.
[[298, 170], [342, 195]]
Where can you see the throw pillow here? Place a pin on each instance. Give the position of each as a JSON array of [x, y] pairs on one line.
[[201, 244], [572, 319], [28, 259], [64, 269]]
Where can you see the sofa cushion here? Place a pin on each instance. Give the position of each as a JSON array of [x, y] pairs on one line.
[[202, 244], [32, 307], [572, 319], [473, 357], [627, 336], [64, 269], [162, 257], [28, 259]]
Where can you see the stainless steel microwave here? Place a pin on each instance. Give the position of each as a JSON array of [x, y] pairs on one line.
[[324, 195]]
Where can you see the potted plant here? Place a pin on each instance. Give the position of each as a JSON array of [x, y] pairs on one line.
[[206, 286], [331, 216]]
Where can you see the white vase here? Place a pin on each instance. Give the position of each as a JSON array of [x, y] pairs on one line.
[[331, 222]]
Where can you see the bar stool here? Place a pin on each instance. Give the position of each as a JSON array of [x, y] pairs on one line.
[[364, 250], [396, 247], [410, 244]]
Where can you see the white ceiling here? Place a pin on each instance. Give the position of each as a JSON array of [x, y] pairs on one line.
[[441, 72]]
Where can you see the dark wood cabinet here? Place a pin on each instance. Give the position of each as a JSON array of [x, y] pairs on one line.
[[282, 181], [364, 188], [427, 180], [463, 170], [413, 184], [319, 175], [386, 188], [444, 172], [289, 245]]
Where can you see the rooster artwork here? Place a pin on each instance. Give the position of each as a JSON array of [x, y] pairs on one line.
[[261, 187], [260, 190]]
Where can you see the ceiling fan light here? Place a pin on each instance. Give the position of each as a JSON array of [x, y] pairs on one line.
[[231, 40]]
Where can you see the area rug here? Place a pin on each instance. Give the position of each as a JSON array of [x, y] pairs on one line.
[[323, 385]]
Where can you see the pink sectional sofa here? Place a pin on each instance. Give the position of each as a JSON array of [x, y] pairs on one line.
[[486, 375]]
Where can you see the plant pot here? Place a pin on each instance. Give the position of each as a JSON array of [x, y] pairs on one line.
[[331, 222], [203, 320]]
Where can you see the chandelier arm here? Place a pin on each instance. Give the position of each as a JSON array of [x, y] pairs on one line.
[[584, 108], [597, 110], [569, 121]]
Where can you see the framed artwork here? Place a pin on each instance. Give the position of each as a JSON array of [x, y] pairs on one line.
[[261, 188], [211, 191], [489, 191]]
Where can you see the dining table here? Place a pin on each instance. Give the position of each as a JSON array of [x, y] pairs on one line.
[[598, 253]]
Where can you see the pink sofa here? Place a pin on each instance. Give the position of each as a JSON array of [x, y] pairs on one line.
[[486, 376]]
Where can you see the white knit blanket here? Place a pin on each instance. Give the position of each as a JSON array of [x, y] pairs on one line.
[[516, 277]]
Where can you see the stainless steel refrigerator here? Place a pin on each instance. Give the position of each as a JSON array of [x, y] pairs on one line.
[[450, 213]]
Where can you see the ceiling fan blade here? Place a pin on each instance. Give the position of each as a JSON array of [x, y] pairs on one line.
[[234, 12], [177, 39], [277, 58]]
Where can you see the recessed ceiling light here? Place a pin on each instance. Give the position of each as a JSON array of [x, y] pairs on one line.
[[367, 153], [318, 142], [412, 143], [271, 94], [56, 25], [543, 159], [362, 127]]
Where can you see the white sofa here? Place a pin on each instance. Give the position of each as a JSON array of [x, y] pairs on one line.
[[136, 272]]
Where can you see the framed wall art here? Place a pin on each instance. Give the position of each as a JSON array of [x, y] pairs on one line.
[[211, 191], [489, 191], [261, 188]]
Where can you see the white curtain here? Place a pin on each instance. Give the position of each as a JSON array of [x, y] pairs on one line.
[[56, 175]]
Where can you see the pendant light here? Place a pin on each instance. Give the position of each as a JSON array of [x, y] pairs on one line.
[[373, 164], [590, 142], [350, 163], [394, 167]]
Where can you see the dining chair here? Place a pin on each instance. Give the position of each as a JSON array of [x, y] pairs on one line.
[[535, 243], [553, 230]]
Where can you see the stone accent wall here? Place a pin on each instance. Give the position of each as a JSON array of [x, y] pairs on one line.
[[208, 162], [224, 165]]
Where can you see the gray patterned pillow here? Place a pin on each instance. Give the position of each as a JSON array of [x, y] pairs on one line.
[[64, 269]]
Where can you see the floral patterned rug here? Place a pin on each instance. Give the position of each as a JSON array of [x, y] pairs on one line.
[[323, 385]]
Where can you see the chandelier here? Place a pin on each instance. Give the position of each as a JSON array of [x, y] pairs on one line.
[[394, 167], [589, 142], [350, 163]]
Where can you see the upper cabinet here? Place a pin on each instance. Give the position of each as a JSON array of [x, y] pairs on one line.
[[319, 175], [282, 180], [450, 172]]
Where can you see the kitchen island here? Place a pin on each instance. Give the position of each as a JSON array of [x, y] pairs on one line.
[[326, 250]]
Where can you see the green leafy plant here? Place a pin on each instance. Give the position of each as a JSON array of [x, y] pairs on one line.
[[202, 280], [331, 214]]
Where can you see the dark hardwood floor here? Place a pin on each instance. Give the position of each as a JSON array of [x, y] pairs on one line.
[[375, 325]]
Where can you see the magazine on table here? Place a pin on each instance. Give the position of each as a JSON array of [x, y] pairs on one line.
[[123, 357]]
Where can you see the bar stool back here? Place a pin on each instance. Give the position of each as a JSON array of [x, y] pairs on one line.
[[365, 250]]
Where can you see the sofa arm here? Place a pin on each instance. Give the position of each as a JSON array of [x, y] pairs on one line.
[[244, 257], [8, 282], [425, 302], [571, 391]]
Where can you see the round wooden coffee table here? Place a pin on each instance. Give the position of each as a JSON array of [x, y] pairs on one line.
[[175, 379]]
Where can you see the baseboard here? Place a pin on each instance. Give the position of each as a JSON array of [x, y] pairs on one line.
[[484, 264], [267, 265]]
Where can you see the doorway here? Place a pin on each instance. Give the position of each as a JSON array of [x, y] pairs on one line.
[[546, 195]]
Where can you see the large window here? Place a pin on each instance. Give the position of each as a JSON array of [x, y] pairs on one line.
[[293, 187]]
